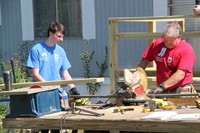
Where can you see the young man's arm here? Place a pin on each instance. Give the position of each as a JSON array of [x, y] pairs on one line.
[[67, 76], [36, 75]]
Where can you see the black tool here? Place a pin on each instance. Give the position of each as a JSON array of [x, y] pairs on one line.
[[75, 108], [7, 80]]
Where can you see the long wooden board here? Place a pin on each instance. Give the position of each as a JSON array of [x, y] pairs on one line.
[[128, 121], [59, 82], [28, 90]]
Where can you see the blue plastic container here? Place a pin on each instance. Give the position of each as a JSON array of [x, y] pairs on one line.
[[34, 105]]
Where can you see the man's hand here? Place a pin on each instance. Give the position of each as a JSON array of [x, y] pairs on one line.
[[158, 90], [155, 91], [73, 91]]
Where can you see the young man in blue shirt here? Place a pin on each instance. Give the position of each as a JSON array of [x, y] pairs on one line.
[[48, 61]]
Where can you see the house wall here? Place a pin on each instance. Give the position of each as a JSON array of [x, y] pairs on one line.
[[10, 29], [185, 7], [129, 50]]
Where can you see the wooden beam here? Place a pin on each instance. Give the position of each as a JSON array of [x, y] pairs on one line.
[[186, 101], [151, 29], [59, 82], [146, 35], [113, 40], [154, 18], [28, 90]]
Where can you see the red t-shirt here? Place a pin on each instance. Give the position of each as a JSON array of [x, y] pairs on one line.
[[168, 61]]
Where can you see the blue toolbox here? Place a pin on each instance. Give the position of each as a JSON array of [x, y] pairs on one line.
[[33, 102]]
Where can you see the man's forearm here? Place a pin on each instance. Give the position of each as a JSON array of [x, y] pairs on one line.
[[67, 76], [174, 79], [143, 63]]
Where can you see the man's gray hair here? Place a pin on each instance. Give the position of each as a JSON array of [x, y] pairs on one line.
[[173, 29]]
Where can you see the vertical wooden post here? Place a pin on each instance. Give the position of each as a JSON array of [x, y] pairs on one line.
[[152, 29], [113, 46], [182, 24]]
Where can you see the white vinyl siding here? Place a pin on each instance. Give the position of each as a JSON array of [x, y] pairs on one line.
[[88, 19], [160, 9], [185, 7], [27, 20], [0, 13]]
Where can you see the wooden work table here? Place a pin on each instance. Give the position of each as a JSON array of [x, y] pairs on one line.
[[128, 121]]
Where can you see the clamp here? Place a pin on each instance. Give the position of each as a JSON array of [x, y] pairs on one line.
[[75, 108]]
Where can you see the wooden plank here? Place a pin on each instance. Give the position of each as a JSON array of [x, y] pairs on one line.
[[59, 82], [113, 29], [154, 18], [187, 101], [146, 35], [151, 29], [128, 121], [151, 71], [28, 90], [149, 19]]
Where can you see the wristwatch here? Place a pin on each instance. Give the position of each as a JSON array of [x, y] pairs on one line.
[[162, 86]]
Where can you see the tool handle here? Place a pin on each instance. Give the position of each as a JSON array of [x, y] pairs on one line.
[[89, 111]]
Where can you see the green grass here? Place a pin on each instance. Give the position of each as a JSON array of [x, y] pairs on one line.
[[3, 113]]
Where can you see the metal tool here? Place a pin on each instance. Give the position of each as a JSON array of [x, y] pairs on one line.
[[13, 70], [7, 80], [122, 110], [173, 95], [75, 108], [93, 96], [136, 82], [197, 103]]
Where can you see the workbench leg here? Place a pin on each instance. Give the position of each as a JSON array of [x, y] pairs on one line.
[[74, 131], [114, 131]]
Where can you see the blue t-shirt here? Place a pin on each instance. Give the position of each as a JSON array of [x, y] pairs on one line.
[[50, 61]]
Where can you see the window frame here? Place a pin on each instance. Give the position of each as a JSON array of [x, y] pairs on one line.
[[67, 12], [28, 28]]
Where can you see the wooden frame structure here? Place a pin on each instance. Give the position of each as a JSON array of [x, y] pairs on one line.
[[115, 36]]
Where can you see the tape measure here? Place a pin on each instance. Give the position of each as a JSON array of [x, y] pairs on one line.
[[197, 103], [145, 110]]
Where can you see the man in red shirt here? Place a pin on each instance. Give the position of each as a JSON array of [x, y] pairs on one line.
[[174, 60], [196, 9]]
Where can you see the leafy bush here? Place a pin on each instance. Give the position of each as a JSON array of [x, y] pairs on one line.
[[20, 73], [86, 57]]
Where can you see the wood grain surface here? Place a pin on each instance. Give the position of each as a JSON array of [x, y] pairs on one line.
[[59, 82], [128, 121]]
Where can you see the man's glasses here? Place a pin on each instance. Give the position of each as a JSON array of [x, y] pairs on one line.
[[169, 39]]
